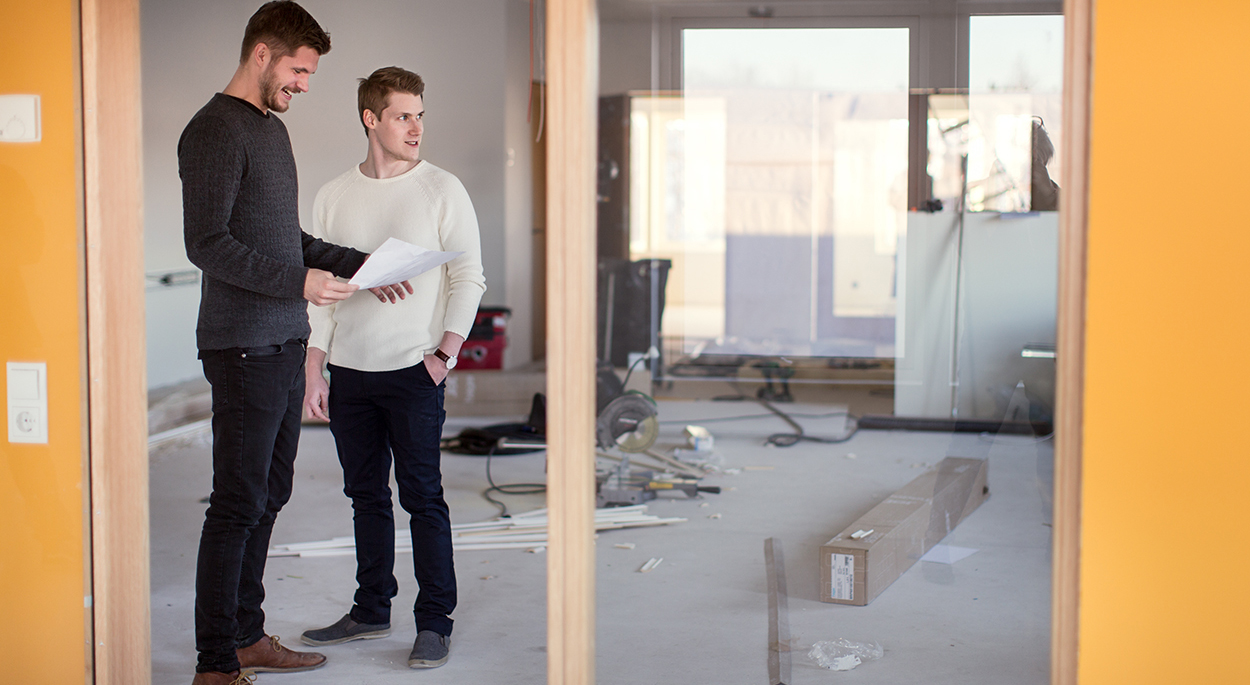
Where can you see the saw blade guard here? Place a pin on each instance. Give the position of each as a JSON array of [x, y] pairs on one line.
[[628, 423]]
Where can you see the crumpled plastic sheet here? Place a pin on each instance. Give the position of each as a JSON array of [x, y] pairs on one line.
[[843, 654]]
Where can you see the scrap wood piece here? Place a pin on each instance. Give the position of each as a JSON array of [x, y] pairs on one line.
[[511, 537], [674, 464], [660, 461], [778, 614], [404, 549], [522, 531], [640, 524]]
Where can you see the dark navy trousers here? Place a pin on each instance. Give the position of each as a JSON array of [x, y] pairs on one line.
[[258, 395], [377, 417]]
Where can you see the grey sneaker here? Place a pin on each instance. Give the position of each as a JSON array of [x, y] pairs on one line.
[[430, 650], [345, 630]]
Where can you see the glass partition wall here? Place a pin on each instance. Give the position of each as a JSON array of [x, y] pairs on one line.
[[827, 267], [776, 182]]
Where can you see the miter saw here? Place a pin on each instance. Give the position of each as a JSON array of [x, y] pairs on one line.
[[626, 418], [627, 422]]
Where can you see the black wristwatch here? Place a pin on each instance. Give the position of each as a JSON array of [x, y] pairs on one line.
[[449, 360]]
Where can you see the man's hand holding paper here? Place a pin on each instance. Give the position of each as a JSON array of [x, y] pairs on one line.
[[392, 293]]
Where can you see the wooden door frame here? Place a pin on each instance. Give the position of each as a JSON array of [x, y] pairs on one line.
[[117, 430], [1070, 340], [572, 58], [572, 33], [117, 393]]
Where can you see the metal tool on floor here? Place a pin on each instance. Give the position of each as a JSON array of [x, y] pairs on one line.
[[627, 422], [626, 419], [623, 486]]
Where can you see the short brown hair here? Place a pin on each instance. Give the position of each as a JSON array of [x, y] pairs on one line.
[[374, 93], [285, 27]]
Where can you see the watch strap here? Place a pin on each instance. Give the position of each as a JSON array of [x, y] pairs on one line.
[[446, 358]]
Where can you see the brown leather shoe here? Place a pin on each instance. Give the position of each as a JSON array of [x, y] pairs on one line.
[[218, 678], [268, 656]]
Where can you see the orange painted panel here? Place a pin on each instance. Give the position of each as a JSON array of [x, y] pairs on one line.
[[1164, 564], [43, 636]]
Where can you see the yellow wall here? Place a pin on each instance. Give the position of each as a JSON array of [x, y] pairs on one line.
[[1165, 573], [1165, 580], [42, 631]]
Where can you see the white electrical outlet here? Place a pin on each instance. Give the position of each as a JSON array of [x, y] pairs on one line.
[[19, 119], [28, 402]]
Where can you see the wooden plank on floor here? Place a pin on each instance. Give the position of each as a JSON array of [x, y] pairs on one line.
[[778, 614]]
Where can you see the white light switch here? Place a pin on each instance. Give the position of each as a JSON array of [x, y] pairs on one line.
[[28, 402], [19, 119]]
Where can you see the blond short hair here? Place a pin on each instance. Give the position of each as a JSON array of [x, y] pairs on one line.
[[374, 93]]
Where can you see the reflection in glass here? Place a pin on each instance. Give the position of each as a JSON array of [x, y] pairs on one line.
[[1015, 85], [777, 184], [983, 273], [790, 182]]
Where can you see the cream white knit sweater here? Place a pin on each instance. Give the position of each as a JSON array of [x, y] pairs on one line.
[[425, 206]]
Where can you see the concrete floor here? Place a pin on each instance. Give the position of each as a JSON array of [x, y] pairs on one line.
[[702, 616]]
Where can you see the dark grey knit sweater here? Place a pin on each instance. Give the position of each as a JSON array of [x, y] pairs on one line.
[[240, 213]]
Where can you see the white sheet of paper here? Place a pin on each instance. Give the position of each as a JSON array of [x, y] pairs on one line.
[[397, 261], [948, 554]]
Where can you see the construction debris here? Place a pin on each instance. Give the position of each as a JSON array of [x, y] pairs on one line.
[[698, 438], [526, 531]]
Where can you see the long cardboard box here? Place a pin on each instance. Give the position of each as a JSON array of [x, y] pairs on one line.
[[903, 527]]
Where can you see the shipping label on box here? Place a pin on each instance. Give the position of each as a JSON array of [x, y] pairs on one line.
[[871, 553]]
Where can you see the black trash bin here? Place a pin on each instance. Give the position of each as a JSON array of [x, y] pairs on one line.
[[631, 304]]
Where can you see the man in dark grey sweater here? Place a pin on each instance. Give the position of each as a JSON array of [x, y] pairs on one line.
[[241, 226]]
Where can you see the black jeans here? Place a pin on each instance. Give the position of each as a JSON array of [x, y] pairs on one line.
[[373, 416], [258, 393]]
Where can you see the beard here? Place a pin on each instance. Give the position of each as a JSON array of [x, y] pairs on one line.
[[270, 95]]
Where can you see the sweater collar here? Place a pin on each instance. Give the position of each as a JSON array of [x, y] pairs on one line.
[[253, 108]]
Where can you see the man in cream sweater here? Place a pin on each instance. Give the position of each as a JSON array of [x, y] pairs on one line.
[[388, 362]]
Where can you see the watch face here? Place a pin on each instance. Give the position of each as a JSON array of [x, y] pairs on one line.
[[449, 360]]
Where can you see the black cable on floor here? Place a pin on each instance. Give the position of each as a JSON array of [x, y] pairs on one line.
[[986, 436], [790, 439], [826, 415], [630, 372], [508, 488]]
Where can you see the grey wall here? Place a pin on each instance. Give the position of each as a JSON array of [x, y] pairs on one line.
[[1007, 300], [519, 190], [469, 52], [625, 56]]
